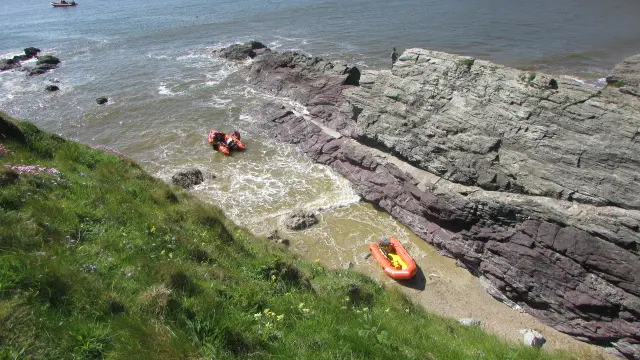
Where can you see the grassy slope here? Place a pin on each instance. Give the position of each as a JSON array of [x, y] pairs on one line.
[[104, 261]]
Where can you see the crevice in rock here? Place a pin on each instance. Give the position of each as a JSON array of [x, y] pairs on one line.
[[495, 147], [611, 311], [353, 78], [579, 158], [373, 143], [592, 96], [356, 112], [453, 225]]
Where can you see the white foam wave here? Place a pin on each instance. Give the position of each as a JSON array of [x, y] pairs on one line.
[[275, 180], [221, 74], [15, 84], [159, 57], [163, 89], [219, 103]]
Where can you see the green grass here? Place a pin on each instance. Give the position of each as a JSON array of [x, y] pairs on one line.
[[617, 83], [466, 63], [102, 260]]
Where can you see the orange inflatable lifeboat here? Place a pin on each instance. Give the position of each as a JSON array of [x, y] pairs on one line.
[[394, 259], [225, 142]]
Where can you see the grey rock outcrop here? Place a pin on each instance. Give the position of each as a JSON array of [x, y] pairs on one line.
[[531, 181], [44, 64], [14, 63], [626, 76], [242, 51], [628, 71], [9, 64]]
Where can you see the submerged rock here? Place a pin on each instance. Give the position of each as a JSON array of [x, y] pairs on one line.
[[275, 237]]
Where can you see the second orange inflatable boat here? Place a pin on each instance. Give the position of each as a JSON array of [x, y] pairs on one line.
[[394, 260], [225, 142]]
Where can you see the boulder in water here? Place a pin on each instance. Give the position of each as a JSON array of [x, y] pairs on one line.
[[47, 59], [188, 178], [8, 64], [242, 51], [300, 220], [31, 51]]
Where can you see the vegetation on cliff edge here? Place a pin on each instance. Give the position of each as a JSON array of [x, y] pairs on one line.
[[100, 260]]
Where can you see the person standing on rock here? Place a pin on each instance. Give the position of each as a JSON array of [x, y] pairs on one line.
[[394, 57]]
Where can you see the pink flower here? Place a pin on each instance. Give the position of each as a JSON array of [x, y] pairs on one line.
[[5, 151], [32, 169]]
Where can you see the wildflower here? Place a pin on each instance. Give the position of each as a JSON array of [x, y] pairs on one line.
[[5, 151], [32, 169]]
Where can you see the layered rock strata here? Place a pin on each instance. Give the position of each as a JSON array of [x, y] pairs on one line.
[[531, 181]]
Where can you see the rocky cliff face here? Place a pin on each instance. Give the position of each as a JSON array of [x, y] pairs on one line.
[[532, 182]]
